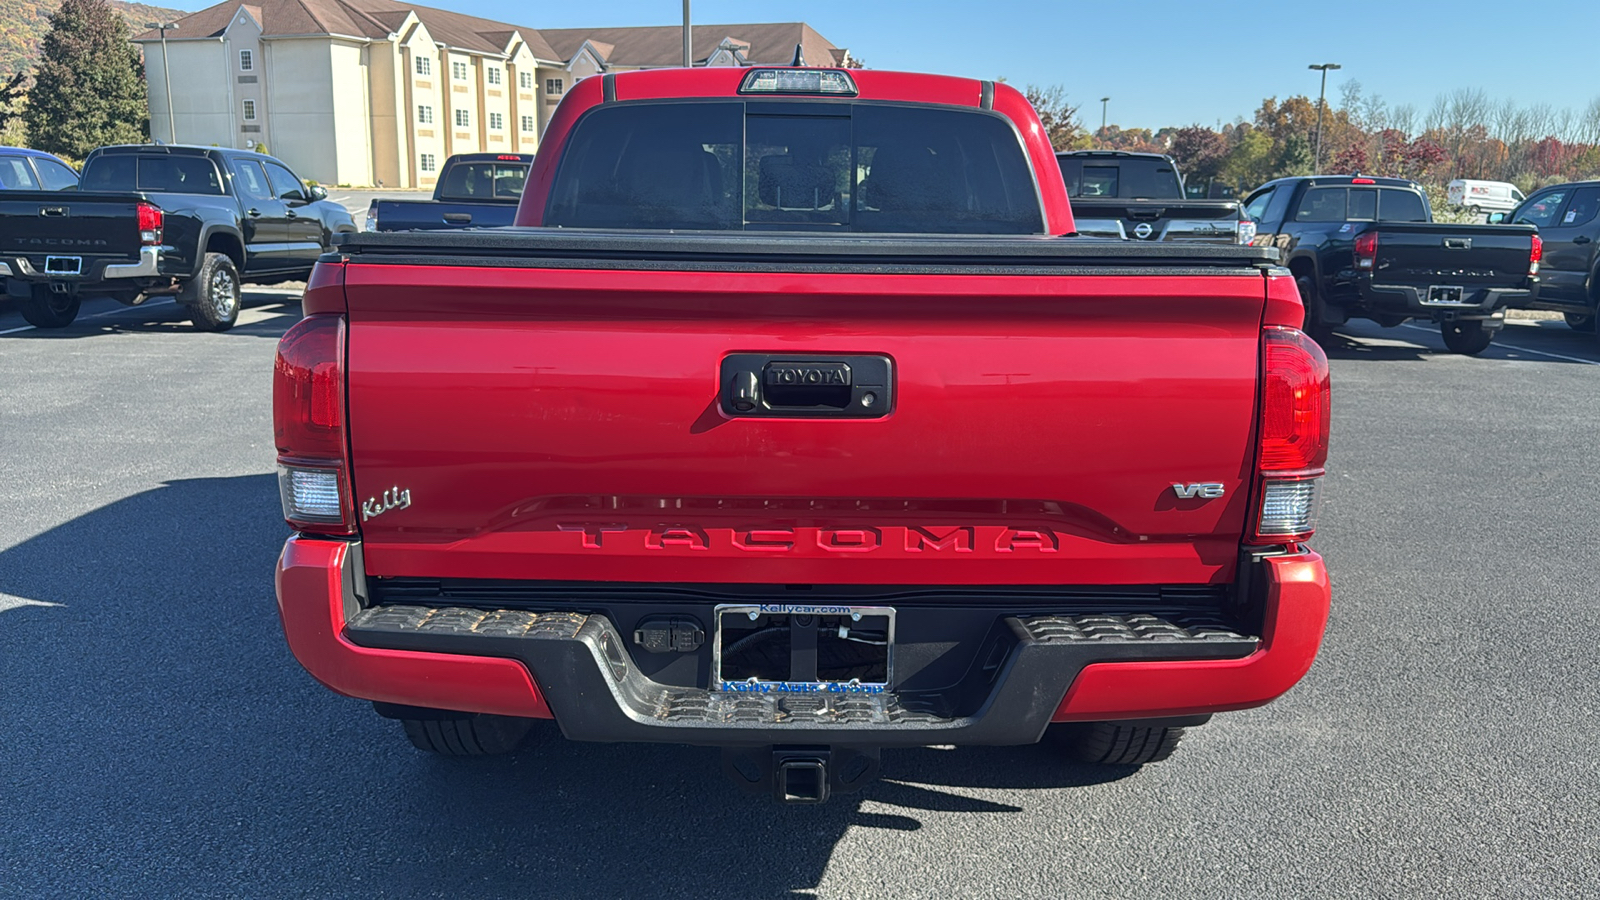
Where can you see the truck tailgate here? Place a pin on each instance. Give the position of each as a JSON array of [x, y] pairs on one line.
[[1467, 255], [36, 223], [565, 422]]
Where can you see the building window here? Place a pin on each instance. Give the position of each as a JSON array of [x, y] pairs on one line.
[[424, 66], [526, 80], [458, 71], [497, 122], [527, 123], [247, 61], [424, 115], [249, 110], [552, 87], [428, 164], [493, 74], [461, 118]]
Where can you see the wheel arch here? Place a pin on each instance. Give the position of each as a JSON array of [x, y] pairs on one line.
[[221, 239]]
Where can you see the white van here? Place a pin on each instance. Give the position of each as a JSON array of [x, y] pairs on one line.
[[1484, 196]]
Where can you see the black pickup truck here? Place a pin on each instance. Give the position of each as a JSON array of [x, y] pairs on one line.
[[475, 190], [1369, 248], [1140, 196], [151, 220]]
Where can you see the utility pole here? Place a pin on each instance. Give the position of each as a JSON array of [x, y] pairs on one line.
[[688, 38], [166, 73], [1103, 102], [1321, 102]]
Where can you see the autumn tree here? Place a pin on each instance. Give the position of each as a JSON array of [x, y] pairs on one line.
[[1060, 118], [89, 89]]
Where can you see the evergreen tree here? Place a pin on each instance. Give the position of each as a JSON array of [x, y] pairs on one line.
[[89, 89]]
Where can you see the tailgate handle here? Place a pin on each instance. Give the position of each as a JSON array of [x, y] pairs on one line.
[[53, 212], [458, 218], [1458, 243], [1145, 212], [796, 387]]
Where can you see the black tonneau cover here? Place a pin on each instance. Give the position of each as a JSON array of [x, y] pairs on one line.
[[793, 251]]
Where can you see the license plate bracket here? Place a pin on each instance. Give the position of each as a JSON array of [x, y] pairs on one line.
[[63, 265], [797, 648], [1446, 295]]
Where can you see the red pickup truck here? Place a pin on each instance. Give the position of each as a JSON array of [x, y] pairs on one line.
[[796, 422]]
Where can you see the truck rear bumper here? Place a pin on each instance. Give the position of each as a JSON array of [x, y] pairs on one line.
[[1476, 303], [575, 667]]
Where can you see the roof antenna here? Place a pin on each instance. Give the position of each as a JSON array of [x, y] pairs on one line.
[[799, 56]]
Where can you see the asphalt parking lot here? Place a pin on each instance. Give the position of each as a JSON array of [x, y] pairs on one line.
[[159, 740]]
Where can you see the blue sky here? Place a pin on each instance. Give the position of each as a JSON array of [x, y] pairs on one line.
[[1162, 62]]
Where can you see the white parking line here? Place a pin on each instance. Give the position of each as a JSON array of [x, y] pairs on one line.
[[1576, 359]]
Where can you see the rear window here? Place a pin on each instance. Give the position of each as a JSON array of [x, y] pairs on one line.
[[484, 181], [1401, 206], [165, 174], [1135, 178], [795, 166]]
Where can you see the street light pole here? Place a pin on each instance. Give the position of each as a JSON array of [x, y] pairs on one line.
[[688, 40], [1103, 102], [1321, 102], [166, 74]]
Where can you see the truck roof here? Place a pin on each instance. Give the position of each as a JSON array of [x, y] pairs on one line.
[[1341, 180]]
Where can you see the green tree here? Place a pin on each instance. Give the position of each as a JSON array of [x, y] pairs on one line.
[[1250, 161], [1059, 118], [1294, 157], [89, 89]]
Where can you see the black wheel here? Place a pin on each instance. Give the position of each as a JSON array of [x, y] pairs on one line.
[[47, 309], [1312, 324], [479, 735], [1474, 210], [212, 296], [1467, 337], [1116, 743], [1583, 322]]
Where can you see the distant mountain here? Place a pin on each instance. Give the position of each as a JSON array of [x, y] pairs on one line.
[[23, 24]]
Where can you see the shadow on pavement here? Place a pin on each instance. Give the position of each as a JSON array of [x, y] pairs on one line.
[[160, 316], [161, 740], [1546, 341]]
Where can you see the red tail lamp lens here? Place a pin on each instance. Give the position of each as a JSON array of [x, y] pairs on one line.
[[1295, 402]]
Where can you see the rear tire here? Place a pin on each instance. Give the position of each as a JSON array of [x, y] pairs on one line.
[[47, 309], [1312, 324], [471, 735], [1467, 337], [1583, 322], [212, 296], [1116, 743]]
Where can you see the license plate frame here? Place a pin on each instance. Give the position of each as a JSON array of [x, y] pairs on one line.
[[63, 265], [1446, 295], [834, 619]]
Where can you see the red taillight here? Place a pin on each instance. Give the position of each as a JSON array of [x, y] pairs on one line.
[[1295, 415], [308, 426], [509, 157], [1362, 181], [1366, 250], [150, 221], [1535, 254]]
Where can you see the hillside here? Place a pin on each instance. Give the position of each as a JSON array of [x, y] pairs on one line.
[[23, 24]]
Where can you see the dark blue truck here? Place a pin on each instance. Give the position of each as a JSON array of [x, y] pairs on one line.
[[475, 190]]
